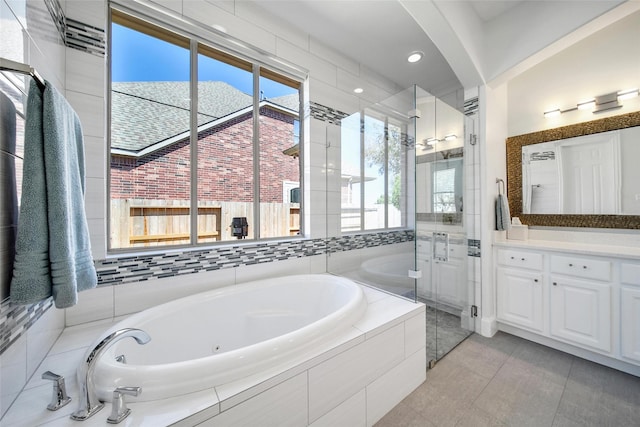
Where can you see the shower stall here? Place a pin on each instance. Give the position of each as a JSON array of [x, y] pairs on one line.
[[400, 196]]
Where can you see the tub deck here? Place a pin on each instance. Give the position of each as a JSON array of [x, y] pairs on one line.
[[365, 373]]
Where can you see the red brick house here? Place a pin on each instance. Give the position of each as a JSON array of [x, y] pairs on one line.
[[150, 157]]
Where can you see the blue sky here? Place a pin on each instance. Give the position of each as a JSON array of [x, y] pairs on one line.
[[139, 57]]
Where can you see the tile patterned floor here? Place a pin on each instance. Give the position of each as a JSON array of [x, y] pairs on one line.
[[448, 333], [509, 381]]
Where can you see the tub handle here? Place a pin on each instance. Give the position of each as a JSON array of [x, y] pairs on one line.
[[119, 410], [60, 396]]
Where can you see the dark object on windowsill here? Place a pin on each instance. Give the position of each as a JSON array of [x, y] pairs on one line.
[[239, 227]]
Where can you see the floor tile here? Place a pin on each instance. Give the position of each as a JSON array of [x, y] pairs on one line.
[[404, 416], [476, 417], [477, 355], [449, 389], [509, 381], [599, 396]]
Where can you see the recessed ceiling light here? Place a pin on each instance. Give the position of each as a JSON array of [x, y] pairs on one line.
[[415, 56], [358, 90]]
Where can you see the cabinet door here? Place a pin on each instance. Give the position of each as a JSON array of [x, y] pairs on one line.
[[520, 298], [450, 278], [581, 312], [630, 323]]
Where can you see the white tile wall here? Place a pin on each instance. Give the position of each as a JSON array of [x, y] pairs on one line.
[[89, 12], [13, 371], [364, 363], [272, 269], [174, 5], [209, 14], [352, 413], [253, 13], [283, 405], [388, 390], [41, 337], [323, 51], [85, 72], [93, 304]]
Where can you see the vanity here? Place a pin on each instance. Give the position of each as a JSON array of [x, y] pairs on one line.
[[580, 298], [574, 285]]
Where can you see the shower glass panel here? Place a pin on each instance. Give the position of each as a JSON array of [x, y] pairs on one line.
[[395, 208], [373, 242], [441, 236]]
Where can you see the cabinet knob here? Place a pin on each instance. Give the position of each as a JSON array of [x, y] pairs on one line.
[[584, 266], [555, 283], [535, 280], [570, 265], [521, 259], [512, 258]]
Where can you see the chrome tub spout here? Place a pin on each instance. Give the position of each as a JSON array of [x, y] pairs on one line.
[[89, 402]]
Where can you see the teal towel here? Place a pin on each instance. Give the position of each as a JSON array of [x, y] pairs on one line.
[[53, 250]]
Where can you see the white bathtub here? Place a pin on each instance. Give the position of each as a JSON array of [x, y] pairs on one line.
[[220, 336]]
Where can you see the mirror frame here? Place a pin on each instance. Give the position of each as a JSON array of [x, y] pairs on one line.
[[514, 174]]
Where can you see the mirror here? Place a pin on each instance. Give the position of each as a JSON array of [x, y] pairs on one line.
[[589, 174], [582, 175], [441, 200]]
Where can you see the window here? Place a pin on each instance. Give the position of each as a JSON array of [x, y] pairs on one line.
[[372, 183], [187, 173], [447, 186]]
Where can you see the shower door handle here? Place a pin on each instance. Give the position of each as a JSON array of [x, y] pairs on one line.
[[440, 247]]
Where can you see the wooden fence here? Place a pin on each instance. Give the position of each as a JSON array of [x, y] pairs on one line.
[[139, 222]]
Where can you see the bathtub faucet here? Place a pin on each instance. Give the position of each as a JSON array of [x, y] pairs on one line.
[[89, 402]]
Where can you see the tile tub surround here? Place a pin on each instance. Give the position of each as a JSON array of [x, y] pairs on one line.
[[383, 357]]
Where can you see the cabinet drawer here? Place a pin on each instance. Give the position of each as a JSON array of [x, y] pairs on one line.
[[581, 267], [522, 259], [630, 274]]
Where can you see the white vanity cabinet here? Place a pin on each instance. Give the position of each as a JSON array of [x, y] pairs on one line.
[[581, 312], [580, 300], [630, 311], [584, 303], [520, 289]]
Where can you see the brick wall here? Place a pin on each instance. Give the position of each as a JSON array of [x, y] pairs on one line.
[[225, 167]]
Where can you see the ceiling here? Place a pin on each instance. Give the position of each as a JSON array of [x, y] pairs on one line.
[[380, 34]]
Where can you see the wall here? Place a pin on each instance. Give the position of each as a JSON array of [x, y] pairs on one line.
[[81, 73], [601, 63], [604, 62]]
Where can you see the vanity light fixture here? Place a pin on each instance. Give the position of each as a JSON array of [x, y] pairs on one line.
[[587, 105], [552, 113], [610, 101], [415, 56], [432, 141], [626, 94], [358, 90]]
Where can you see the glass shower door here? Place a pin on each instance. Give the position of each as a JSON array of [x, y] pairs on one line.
[[441, 237]]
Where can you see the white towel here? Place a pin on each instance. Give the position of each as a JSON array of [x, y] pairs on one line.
[[503, 216]]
